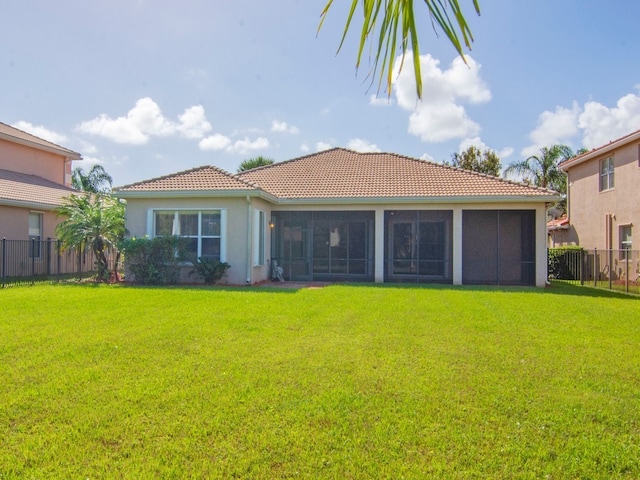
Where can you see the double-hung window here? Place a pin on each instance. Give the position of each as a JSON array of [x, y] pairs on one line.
[[606, 174], [35, 234], [625, 240], [203, 230]]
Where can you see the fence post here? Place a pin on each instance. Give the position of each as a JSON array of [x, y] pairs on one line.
[[626, 276], [48, 258], [4, 260], [33, 261], [610, 268], [58, 258]]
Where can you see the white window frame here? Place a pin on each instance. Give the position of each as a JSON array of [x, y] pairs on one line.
[[625, 241], [35, 235], [176, 211], [259, 237], [606, 174]]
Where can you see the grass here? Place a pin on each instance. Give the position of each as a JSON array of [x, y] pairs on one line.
[[338, 382]]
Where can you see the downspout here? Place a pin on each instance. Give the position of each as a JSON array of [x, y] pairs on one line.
[[249, 238]]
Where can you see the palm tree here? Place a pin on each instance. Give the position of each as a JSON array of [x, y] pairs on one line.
[[393, 17], [255, 162], [92, 221], [96, 180], [542, 170]]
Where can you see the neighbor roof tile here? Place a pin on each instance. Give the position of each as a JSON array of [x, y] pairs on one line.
[[30, 189]]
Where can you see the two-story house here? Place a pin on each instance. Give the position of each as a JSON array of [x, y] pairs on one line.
[[35, 175], [603, 196]]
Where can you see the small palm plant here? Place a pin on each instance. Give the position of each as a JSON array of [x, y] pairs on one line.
[[95, 222]]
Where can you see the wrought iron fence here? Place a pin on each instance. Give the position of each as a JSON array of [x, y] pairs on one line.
[[611, 269], [25, 262]]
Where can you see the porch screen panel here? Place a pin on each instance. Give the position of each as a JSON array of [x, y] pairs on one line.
[[498, 247], [479, 246]]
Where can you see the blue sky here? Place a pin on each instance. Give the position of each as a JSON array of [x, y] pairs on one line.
[[151, 87]]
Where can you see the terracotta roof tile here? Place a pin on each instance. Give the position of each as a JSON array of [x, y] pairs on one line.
[[20, 136], [30, 189], [341, 173], [205, 178]]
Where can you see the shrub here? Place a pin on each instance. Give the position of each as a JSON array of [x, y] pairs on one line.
[[209, 269], [154, 261], [565, 263]]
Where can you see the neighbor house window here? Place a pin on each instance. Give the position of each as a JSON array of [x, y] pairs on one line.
[[606, 174], [259, 226], [202, 229], [35, 234], [625, 240]]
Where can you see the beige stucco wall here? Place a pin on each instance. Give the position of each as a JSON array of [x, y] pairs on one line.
[[23, 159], [14, 223], [238, 212], [588, 207], [239, 226]]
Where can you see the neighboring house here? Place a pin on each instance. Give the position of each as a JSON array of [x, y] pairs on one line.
[[34, 177], [559, 232], [339, 215], [603, 195]]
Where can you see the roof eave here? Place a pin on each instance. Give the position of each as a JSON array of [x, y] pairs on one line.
[[572, 162], [69, 154], [26, 204], [195, 194], [430, 200]]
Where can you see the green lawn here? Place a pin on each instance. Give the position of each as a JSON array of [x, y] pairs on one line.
[[337, 382]]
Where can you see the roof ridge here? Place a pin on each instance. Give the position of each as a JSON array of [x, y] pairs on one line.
[[604, 145], [291, 160]]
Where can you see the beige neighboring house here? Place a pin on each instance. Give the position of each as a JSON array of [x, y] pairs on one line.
[[339, 215], [34, 177], [603, 195]]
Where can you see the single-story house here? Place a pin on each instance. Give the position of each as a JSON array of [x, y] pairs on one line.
[[339, 215]]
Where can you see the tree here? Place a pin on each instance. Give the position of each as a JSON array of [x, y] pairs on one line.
[[388, 19], [96, 180], [255, 162], [92, 221], [542, 170], [482, 162]]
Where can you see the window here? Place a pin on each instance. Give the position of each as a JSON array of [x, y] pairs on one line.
[[203, 229], [606, 174], [625, 240], [35, 234], [259, 238]]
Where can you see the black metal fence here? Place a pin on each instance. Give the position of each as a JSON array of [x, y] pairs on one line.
[[24, 262], [611, 269]]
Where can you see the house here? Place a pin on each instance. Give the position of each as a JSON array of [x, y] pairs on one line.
[[339, 215], [603, 198], [35, 175]]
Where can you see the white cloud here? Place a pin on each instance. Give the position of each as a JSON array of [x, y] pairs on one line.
[[377, 101], [304, 148], [320, 146], [557, 127], [439, 116], [145, 120], [246, 146], [193, 123], [283, 127], [41, 132], [426, 156], [360, 145], [601, 124], [214, 142]]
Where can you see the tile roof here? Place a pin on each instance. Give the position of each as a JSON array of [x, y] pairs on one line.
[[341, 173], [205, 178], [560, 223], [11, 133], [20, 188]]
